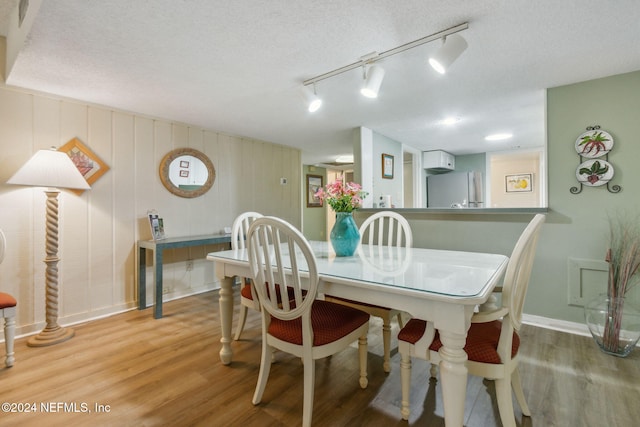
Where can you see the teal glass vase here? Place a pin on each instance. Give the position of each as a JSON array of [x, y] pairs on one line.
[[344, 235]]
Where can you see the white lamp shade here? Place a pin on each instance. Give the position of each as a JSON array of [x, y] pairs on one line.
[[50, 168], [312, 100], [373, 82], [451, 49]]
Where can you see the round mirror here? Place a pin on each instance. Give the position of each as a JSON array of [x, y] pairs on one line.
[[186, 172]]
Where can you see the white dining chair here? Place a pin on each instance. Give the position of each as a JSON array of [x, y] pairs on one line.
[[492, 340], [385, 228], [280, 258], [8, 312], [248, 299]]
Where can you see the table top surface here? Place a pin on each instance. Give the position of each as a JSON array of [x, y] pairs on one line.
[[454, 274]]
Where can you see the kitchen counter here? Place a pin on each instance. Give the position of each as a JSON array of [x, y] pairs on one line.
[[460, 211]]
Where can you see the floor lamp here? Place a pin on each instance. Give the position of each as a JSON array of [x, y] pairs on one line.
[[52, 169]]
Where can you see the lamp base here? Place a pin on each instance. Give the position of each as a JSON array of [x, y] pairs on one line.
[[50, 336]]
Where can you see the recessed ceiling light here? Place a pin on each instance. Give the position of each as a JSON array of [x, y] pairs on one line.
[[345, 159], [450, 121], [498, 136]]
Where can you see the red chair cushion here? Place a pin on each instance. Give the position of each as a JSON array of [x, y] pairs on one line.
[[482, 340], [246, 291], [7, 300], [412, 331], [330, 322]]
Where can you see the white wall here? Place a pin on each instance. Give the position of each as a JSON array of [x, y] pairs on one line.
[[99, 229]]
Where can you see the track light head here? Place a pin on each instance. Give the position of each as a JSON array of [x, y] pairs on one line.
[[311, 98], [373, 81], [452, 47]]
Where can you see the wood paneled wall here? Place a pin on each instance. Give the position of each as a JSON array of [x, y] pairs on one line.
[[99, 229]]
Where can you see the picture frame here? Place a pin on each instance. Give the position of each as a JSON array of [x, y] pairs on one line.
[[184, 174], [184, 164], [88, 163], [518, 183], [387, 166], [156, 223], [314, 183]]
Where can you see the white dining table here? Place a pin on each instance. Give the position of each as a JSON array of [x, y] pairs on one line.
[[440, 286]]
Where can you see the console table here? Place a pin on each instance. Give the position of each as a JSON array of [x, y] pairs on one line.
[[158, 246]]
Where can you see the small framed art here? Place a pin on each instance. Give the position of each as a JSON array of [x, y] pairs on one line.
[[387, 166], [520, 183], [314, 183], [88, 163]]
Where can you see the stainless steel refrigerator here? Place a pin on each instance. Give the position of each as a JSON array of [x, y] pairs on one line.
[[455, 190]]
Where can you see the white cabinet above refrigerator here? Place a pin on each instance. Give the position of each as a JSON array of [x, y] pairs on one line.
[[438, 160]]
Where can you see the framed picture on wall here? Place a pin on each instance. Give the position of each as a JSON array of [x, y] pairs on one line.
[[157, 225], [314, 183], [520, 183], [88, 163], [387, 166]]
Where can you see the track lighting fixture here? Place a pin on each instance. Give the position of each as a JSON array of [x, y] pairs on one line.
[[452, 47], [373, 80], [311, 98]]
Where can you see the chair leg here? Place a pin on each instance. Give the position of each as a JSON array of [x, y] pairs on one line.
[[263, 376], [505, 404], [242, 318], [516, 383], [405, 378], [433, 371], [309, 383], [9, 336], [362, 351], [386, 341]]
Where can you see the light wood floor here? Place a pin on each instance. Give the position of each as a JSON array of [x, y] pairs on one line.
[[167, 372]]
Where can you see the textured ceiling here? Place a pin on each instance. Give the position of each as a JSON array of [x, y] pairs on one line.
[[238, 67]]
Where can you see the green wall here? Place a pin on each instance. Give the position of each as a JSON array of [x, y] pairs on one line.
[[472, 162], [576, 229], [386, 186]]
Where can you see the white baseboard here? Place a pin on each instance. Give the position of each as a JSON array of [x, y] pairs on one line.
[[556, 324], [66, 321]]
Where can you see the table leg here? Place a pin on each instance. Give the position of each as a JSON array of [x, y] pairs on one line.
[[453, 374], [226, 318], [142, 278], [157, 310]]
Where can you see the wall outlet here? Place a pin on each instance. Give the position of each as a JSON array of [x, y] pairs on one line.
[[189, 265]]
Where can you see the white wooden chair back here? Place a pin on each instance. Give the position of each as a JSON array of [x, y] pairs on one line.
[[280, 257], [516, 279], [240, 228], [386, 228], [3, 245]]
